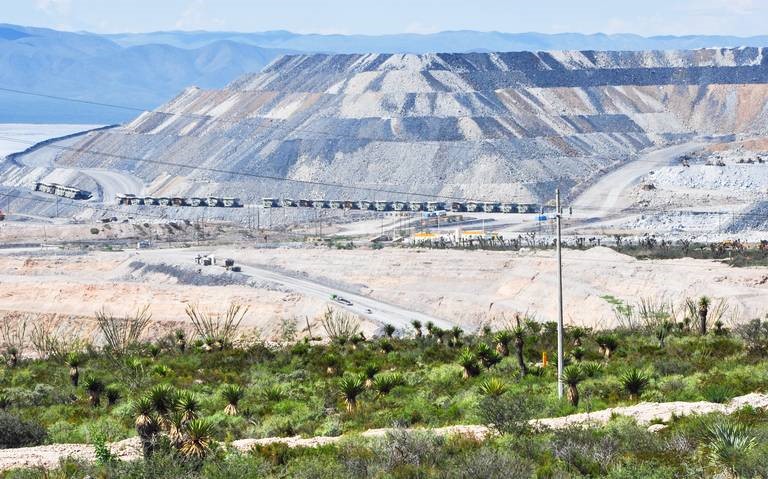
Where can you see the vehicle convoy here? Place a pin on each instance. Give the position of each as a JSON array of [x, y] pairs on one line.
[[341, 300], [63, 191], [211, 201]]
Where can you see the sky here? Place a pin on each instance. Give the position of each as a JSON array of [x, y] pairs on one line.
[[374, 17]]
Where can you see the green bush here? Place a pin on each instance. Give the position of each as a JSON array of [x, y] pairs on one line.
[[16, 432]]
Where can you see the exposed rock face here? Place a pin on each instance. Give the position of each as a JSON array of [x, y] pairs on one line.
[[500, 126]]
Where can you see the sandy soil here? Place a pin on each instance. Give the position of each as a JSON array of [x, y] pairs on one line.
[[48, 457], [458, 286]]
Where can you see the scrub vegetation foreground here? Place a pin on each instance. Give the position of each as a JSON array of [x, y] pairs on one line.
[[187, 396]]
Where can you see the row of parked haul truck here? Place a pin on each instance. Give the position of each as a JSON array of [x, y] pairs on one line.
[[416, 206], [63, 191], [212, 201]]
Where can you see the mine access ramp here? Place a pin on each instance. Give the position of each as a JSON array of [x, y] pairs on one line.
[[413, 206]]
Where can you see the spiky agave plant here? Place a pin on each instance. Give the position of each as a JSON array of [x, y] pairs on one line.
[[275, 393], [198, 438], [572, 376], [591, 369], [188, 404], [634, 381], [74, 360], [493, 387], [370, 370], [726, 443], [94, 387], [383, 384], [232, 393], [502, 340], [468, 360], [349, 388]]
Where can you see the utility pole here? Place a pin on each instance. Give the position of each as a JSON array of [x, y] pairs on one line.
[[559, 299]]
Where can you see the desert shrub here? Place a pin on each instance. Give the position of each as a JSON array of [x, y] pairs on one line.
[[755, 336], [16, 432], [401, 450], [489, 463], [633, 469], [509, 413]]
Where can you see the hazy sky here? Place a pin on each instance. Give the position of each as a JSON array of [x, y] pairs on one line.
[[645, 17]]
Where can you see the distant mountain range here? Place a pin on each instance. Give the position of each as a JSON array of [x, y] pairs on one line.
[[144, 70]]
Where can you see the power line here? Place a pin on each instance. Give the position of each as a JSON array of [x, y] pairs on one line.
[[239, 173]]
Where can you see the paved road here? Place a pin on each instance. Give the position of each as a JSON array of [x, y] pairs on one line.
[[611, 193]]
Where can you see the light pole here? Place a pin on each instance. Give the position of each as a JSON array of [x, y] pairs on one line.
[[559, 299]]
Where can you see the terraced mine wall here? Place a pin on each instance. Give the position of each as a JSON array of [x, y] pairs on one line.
[[480, 126]]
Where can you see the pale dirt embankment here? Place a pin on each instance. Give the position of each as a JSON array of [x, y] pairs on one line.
[[644, 414], [465, 287]]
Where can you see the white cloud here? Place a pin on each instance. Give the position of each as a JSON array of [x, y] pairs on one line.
[[197, 17], [54, 7]]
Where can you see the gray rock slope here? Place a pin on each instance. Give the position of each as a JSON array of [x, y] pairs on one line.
[[501, 126]]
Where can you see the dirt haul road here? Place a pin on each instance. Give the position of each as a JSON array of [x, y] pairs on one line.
[[369, 308], [611, 193]]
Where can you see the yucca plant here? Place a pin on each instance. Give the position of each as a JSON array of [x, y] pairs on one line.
[[577, 333], [591, 369], [634, 381], [389, 330], [577, 353], [502, 340], [370, 370], [232, 393], [188, 404], [181, 340], [703, 312], [162, 370], [726, 444], [94, 387], [145, 423], [349, 388], [198, 438], [386, 346], [572, 376], [456, 333], [518, 333], [663, 330], [468, 360], [488, 356], [74, 360], [493, 387], [384, 383], [153, 350], [5, 401], [13, 356], [417, 327], [112, 394], [607, 343], [430, 327], [275, 393], [176, 425], [163, 400]]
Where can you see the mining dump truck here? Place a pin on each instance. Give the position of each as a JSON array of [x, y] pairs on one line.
[[2, 215]]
